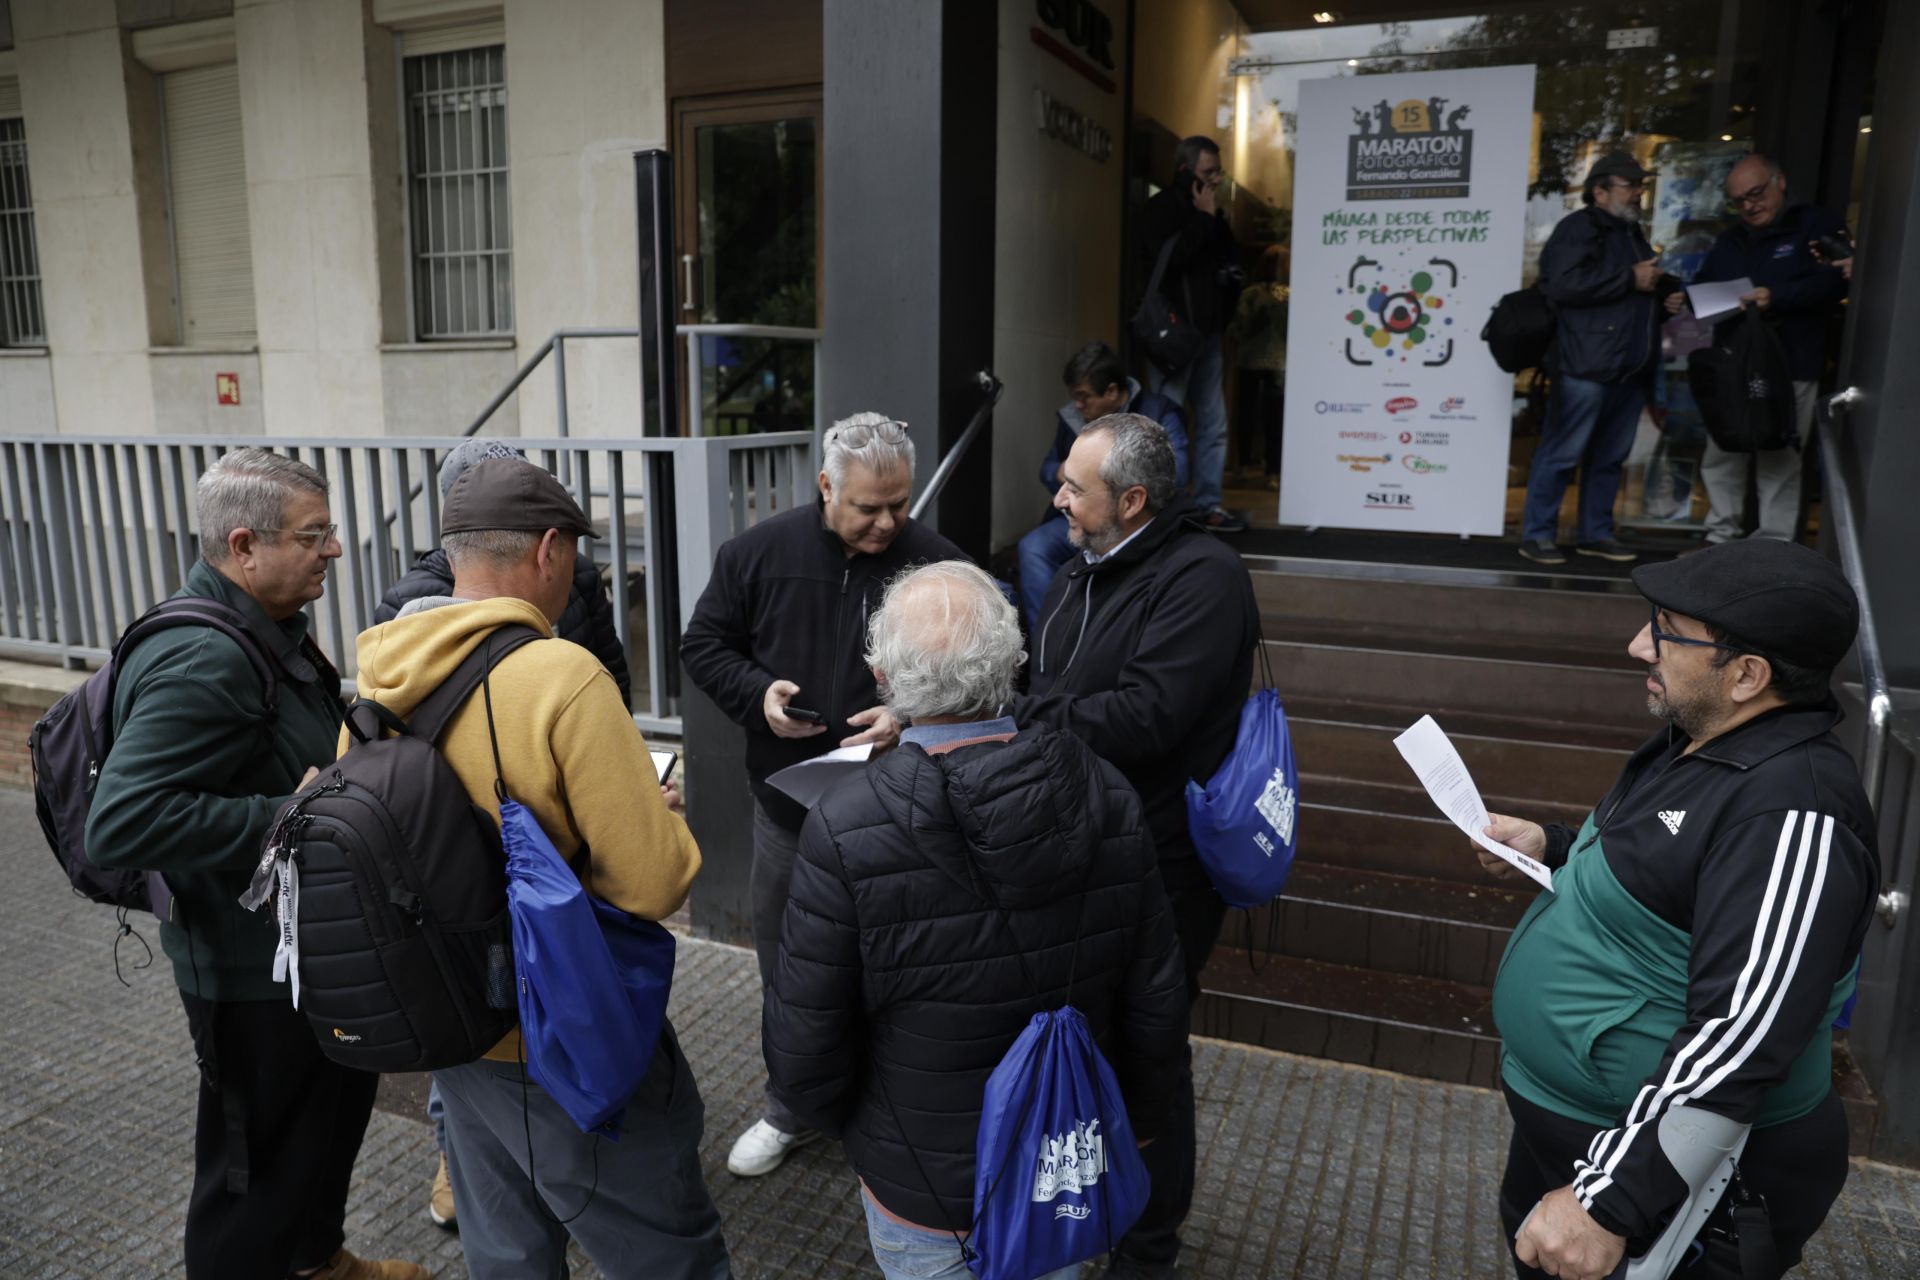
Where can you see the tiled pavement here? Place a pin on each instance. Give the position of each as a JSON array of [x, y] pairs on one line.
[[1310, 1170]]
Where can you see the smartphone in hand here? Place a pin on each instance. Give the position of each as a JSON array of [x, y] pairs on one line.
[[801, 713]]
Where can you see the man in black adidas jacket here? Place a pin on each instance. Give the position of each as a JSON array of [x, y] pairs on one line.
[[1703, 933], [1145, 653], [782, 623]]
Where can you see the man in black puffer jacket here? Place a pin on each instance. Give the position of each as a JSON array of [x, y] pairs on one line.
[[588, 621], [1145, 654], [979, 874]]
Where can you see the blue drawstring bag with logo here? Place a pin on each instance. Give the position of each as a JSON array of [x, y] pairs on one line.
[[1057, 1177], [593, 979], [1245, 821]]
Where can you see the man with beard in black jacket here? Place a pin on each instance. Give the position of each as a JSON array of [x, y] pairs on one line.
[[982, 873], [779, 628], [1145, 653]]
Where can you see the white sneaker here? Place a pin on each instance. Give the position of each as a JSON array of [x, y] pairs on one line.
[[762, 1148]]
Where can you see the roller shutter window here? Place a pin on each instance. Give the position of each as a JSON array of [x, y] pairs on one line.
[[23, 321], [460, 228], [207, 203]]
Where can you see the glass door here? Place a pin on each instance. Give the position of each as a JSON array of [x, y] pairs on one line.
[[749, 181]]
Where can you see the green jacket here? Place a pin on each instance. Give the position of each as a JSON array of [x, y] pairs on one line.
[[195, 773]]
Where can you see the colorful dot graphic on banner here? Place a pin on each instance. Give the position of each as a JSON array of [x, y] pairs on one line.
[[1393, 313]]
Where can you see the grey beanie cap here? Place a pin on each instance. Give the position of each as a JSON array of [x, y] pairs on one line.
[[468, 452]]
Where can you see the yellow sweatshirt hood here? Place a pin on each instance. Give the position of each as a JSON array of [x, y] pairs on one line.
[[403, 661]]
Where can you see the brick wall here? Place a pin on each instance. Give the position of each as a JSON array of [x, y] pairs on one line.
[[16, 720], [26, 691]]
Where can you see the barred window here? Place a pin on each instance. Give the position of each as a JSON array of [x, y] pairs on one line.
[[23, 321], [462, 235]]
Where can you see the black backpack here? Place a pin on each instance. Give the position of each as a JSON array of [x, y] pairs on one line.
[[392, 891], [1170, 341], [1519, 333], [69, 744], [1744, 387]]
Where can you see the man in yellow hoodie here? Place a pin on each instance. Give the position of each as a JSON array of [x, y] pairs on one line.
[[571, 754]]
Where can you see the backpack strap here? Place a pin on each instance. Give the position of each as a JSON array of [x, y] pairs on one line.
[[1160, 266], [429, 719], [200, 611]]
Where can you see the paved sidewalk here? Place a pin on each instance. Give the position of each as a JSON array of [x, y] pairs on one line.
[[1310, 1170]]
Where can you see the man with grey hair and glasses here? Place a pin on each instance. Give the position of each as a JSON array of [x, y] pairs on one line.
[[1145, 653], [984, 872], [200, 763], [775, 641]]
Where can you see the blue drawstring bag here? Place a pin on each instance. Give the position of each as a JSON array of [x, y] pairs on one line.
[[1057, 1177], [593, 981], [1244, 822]]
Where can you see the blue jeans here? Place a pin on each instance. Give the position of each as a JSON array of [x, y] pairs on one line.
[[915, 1253], [1200, 386], [1589, 431], [1042, 551], [437, 1113]]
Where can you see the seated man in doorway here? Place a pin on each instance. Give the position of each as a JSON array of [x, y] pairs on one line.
[[1097, 385]]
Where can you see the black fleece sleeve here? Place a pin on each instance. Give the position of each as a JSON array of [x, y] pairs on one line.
[[717, 647], [813, 1024], [606, 640], [1779, 901]]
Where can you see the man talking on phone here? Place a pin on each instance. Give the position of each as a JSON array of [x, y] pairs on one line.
[[776, 641], [1202, 280]]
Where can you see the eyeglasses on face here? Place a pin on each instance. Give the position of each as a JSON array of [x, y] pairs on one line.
[[308, 538], [1747, 199], [1653, 622]]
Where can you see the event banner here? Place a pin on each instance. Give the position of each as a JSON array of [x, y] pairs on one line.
[[1408, 218]]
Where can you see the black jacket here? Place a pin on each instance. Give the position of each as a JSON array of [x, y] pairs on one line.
[[588, 620], [900, 986], [1147, 657], [1761, 848], [786, 602], [1605, 330], [1205, 246], [1806, 291]]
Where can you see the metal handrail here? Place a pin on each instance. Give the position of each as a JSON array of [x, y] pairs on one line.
[[1838, 501], [696, 424], [942, 473], [554, 343]]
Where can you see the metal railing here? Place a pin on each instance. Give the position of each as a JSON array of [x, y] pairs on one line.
[[992, 387], [94, 530], [556, 346], [1837, 500]]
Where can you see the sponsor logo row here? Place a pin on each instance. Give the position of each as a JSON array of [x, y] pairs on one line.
[[1451, 408], [1410, 461], [1421, 439]]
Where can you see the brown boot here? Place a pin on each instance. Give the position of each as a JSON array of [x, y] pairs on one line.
[[344, 1266], [440, 1203]]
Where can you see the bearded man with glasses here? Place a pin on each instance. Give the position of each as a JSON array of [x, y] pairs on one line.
[[1789, 251], [1702, 935]]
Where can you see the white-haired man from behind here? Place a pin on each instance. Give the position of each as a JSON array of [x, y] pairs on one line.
[[776, 642]]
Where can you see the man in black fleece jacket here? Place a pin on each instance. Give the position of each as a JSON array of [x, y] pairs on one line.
[[1145, 653], [982, 873], [781, 624]]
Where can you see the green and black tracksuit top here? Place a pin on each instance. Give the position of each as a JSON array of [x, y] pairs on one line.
[[1703, 933], [197, 769]]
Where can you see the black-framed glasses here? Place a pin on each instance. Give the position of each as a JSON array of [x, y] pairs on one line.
[[309, 538], [1752, 197], [1653, 621]]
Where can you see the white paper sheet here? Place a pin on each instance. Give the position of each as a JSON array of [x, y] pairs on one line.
[[1717, 298], [809, 780], [1432, 757]]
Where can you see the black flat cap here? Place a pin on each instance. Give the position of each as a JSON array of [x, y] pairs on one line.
[[1618, 164], [509, 493], [1779, 597]]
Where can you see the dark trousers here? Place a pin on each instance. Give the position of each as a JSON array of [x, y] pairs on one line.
[[768, 883], [278, 1130], [1798, 1168], [1589, 433], [1154, 1242]]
